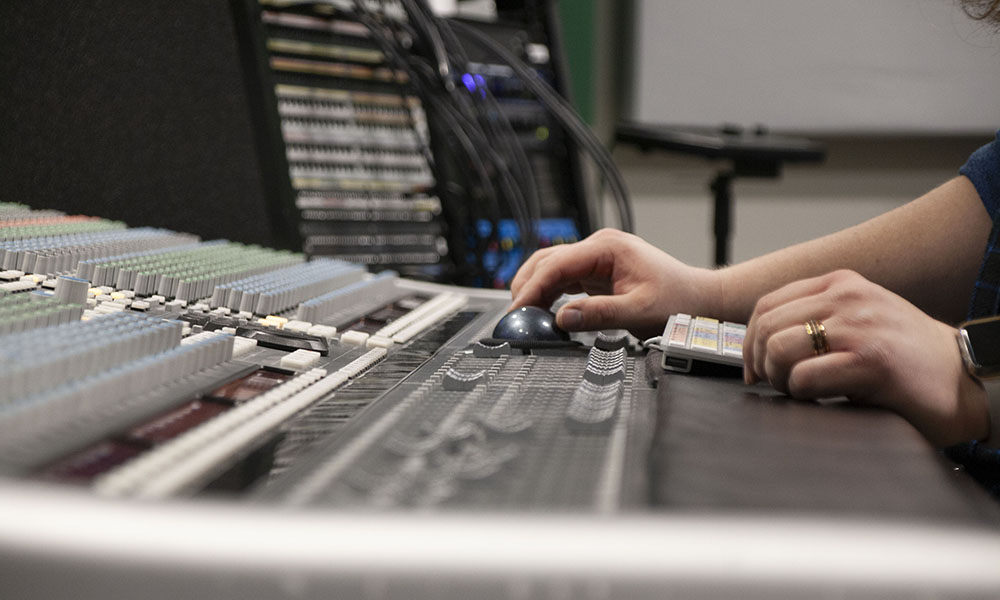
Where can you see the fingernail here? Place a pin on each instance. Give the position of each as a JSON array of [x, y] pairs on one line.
[[570, 318]]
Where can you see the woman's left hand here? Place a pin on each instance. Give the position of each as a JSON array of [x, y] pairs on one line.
[[883, 351]]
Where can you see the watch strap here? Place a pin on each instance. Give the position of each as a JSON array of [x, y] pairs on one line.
[[993, 404]]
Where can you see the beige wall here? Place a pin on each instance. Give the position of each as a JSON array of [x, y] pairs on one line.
[[860, 179]]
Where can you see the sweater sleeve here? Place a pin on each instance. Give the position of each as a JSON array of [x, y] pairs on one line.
[[983, 169]]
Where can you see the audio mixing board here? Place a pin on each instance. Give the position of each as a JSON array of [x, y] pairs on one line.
[[209, 419], [141, 362]]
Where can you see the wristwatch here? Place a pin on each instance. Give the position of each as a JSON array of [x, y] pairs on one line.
[[979, 344]]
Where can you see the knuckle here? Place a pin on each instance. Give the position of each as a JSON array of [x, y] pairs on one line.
[[862, 319], [764, 305], [870, 355], [765, 327], [847, 295], [846, 285], [842, 274]]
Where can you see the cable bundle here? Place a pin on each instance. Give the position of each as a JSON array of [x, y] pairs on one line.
[[494, 178]]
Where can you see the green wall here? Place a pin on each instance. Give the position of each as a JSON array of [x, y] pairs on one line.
[[578, 19]]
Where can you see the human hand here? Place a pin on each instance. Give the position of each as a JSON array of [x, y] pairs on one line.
[[883, 351], [631, 284]]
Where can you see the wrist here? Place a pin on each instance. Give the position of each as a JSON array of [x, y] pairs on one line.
[[732, 293], [980, 389], [712, 288]]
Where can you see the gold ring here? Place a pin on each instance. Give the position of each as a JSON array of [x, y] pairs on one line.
[[817, 331]]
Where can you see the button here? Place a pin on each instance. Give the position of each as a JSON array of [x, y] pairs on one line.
[[300, 359], [324, 331], [354, 338]]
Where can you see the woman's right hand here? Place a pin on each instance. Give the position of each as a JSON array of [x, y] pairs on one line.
[[630, 284]]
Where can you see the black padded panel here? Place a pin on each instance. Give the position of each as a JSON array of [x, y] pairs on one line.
[[130, 110], [720, 445]]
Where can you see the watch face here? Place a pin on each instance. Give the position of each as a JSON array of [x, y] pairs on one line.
[[984, 345]]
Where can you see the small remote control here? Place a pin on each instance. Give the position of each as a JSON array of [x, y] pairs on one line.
[[687, 339]]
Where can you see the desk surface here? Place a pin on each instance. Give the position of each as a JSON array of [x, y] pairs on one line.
[[722, 446]]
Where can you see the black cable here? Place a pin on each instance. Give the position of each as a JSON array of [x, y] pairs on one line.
[[461, 123], [519, 189], [524, 202], [425, 82], [500, 171], [504, 134], [565, 114]]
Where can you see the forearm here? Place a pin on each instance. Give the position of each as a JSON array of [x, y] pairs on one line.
[[927, 251]]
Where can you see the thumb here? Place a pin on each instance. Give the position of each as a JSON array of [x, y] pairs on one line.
[[593, 313]]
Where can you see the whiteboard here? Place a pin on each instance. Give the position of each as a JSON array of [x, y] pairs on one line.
[[816, 66]]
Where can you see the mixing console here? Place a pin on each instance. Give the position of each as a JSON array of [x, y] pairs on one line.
[[142, 362], [337, 433]]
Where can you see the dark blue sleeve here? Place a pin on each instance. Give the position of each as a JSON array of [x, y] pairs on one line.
[[983, 169]]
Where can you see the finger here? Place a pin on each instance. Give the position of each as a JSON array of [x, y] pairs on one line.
[[768, 303], [784, 350], [558, 272], [527, 269], [597, 312], [791, 316], [831, 375]]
